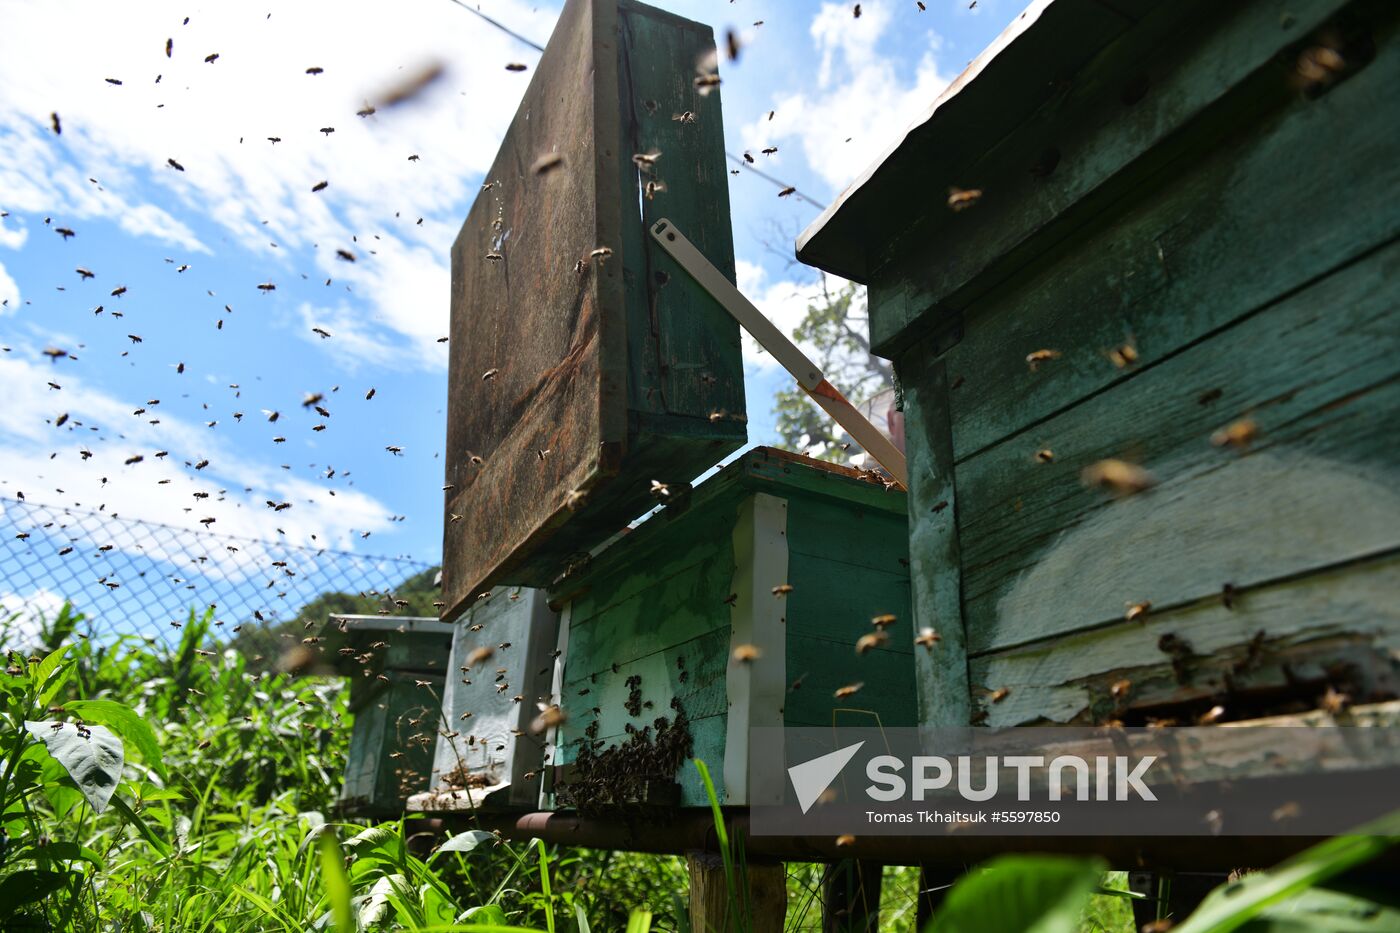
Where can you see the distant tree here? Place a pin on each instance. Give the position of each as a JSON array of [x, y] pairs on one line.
[[263, 643], [837, 327]]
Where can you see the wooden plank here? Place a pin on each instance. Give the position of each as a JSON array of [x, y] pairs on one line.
[[760, 900], [569, 408], [1136, 100], [1219, 235], [1316, 373], [935, 550], [398, 718], [853, 535], [1278, 641]]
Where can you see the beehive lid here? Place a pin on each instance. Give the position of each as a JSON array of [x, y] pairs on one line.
[[573, 342]]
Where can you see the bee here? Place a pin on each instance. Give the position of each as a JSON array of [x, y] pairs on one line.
[[927, 637], [493, 256], [1334, 701], [326, 130], [489, 375], [321, 332], [475, 460], [64, 232], [646, 160], [575, 500], [601, 254], [394, 450], [848, 691], [133, 459], [1000, 694], [960, 199], [870, 641], [175, 165], [274, 139], [550, 716], [57, 124], [211, 58], [413, 85], [660, 491], [746, 654], [319, 186], [1238, 434], [706, 83], [413, 158], [652, 188], [846, 840], [1137, 612], [1211, 716], [787, 191], [366, 111], [543, 453], [883, 621], [770, 150], [1289, 810], [516, 66], [1119, 689], [84, 274], [479, 655], [315, 70], [1036, 357], [685, 117], [782, 589], [267, 287], [1124, 355], [1117, 476], [547, 163], [115, 81], [1045, 455]]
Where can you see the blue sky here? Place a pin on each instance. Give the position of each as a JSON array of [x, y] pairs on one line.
[[190, 247]]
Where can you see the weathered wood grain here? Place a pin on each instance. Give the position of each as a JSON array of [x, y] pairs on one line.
[[1221, 234], [385, 719], [1316, 373], [1182, 79], [1314, 628], [604, 374]]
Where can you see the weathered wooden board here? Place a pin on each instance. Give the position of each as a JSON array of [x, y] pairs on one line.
[[1339, 627], [1182, 258], [485, 747], [391, 743], [1317, 373], [581, 367], [670, 602]]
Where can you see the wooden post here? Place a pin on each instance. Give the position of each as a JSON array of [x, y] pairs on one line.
[[762, 885], [851, 897]]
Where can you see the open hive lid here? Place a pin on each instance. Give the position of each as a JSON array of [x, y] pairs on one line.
[[583, 362]]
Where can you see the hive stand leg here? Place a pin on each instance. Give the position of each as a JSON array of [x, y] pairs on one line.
[[762, 894], [851, 897]]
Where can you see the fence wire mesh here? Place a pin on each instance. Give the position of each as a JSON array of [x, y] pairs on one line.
[[129, 577]]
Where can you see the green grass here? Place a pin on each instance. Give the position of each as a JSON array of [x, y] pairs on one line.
[[220, 817]]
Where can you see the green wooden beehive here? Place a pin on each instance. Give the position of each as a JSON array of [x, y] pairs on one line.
[[1176, 250], [584, 363], [658, 627], [396, 668]]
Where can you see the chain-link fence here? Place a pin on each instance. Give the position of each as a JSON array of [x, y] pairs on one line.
[[132, 577]]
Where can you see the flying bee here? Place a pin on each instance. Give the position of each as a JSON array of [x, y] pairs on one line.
[[516, 66], [746, 654], [782, 589], [1036, 357], [1124, 355], [601, 254], [84, 274], [547, 163], [489, 375], [319, 186], [660, 491], [267, 287], [1137, 612], [883, 621], [646, 161], [960, 199], [1334, 701], [1238, 434], [1211, 716], [1119, 689], [685, 117], [1000, 694], [1117, 476], [493, 256], [787, 191], [549, 717], [1045, 455], [479, 655], [848, 691], [652, 188], [175, 165], [770, 150], [871, 641]]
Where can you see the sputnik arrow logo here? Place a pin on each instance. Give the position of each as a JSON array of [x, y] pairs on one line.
[[811, 778]]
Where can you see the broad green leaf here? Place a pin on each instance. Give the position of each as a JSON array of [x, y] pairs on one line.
[[337, 885], [61, 852], [28, 886], [141, 826], [93, 757], [467, 841], [485, 914], [1229, 907], [122, 720], [1322, 910], [50, 674], [1020, 894], [375, 908]]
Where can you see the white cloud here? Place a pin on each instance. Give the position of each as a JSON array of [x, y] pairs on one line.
[[216, 119], [84, 462], [861, 101], [9, 291], [23, 615]]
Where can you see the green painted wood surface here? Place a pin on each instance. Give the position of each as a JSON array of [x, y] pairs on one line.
[[1317, 373], [387, 717], [654, 604], [1228, 232], [1199, 68], [1309, 624]]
